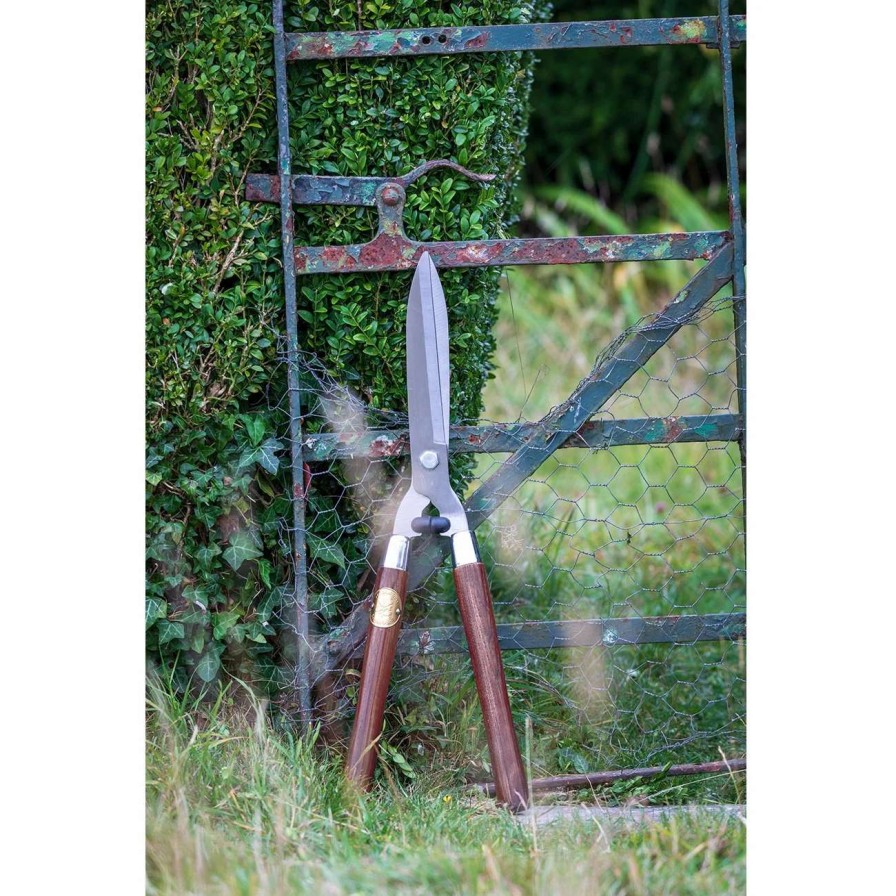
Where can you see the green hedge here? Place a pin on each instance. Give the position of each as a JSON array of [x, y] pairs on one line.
[[218, 560]]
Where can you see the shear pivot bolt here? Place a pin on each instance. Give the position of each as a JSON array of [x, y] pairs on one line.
[[391, 196], [429, 459]]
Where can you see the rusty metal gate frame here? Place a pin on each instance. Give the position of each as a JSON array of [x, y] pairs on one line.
[[529, 444]]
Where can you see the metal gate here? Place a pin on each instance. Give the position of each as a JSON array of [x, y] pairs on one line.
[[584, 423]]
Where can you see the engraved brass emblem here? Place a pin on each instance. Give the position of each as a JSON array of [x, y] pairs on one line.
[[386, 608]]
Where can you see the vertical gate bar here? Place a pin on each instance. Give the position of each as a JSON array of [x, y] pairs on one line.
[[739, 304], [301, 681]]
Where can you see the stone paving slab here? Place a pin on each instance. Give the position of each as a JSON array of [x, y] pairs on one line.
[[627, 816]]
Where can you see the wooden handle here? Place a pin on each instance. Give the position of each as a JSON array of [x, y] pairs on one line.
[[376, 669], [475, 601]]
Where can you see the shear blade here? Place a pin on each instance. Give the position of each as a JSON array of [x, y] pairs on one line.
[[428, 401], [428, 372]]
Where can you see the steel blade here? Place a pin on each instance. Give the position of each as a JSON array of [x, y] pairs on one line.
[[428, 401], [427, 367]]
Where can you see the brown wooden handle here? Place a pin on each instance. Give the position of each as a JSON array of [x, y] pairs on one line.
[[376, 669], [475, 601]]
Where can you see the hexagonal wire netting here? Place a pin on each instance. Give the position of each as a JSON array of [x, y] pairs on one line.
[[617, 566]]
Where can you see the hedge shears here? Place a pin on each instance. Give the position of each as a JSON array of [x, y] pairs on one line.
[[428, 403]]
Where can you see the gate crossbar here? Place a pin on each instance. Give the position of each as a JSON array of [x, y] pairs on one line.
[[505, 38]]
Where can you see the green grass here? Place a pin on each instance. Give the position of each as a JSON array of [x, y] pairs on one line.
[[236, 808]]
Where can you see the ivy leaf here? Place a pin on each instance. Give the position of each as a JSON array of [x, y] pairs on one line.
[[237, 634], [208, 665], [254, 427], [327, 551], [224, 622], [156, 608], [195, 614], [243, 547], [197, 596], [266, 455], [273, 601], [265, 570], [247, 458], [328, 602], [255, 632], [207, 553], [170, 631]]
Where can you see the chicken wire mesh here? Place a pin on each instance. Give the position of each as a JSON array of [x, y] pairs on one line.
[[616, 567]]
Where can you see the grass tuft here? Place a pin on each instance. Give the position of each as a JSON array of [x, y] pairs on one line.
[[235, 808]]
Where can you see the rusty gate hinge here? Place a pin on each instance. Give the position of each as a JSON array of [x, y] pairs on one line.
[[392, 250], [330, 189]]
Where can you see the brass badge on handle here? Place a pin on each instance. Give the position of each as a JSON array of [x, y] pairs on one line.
[[386, 608]]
